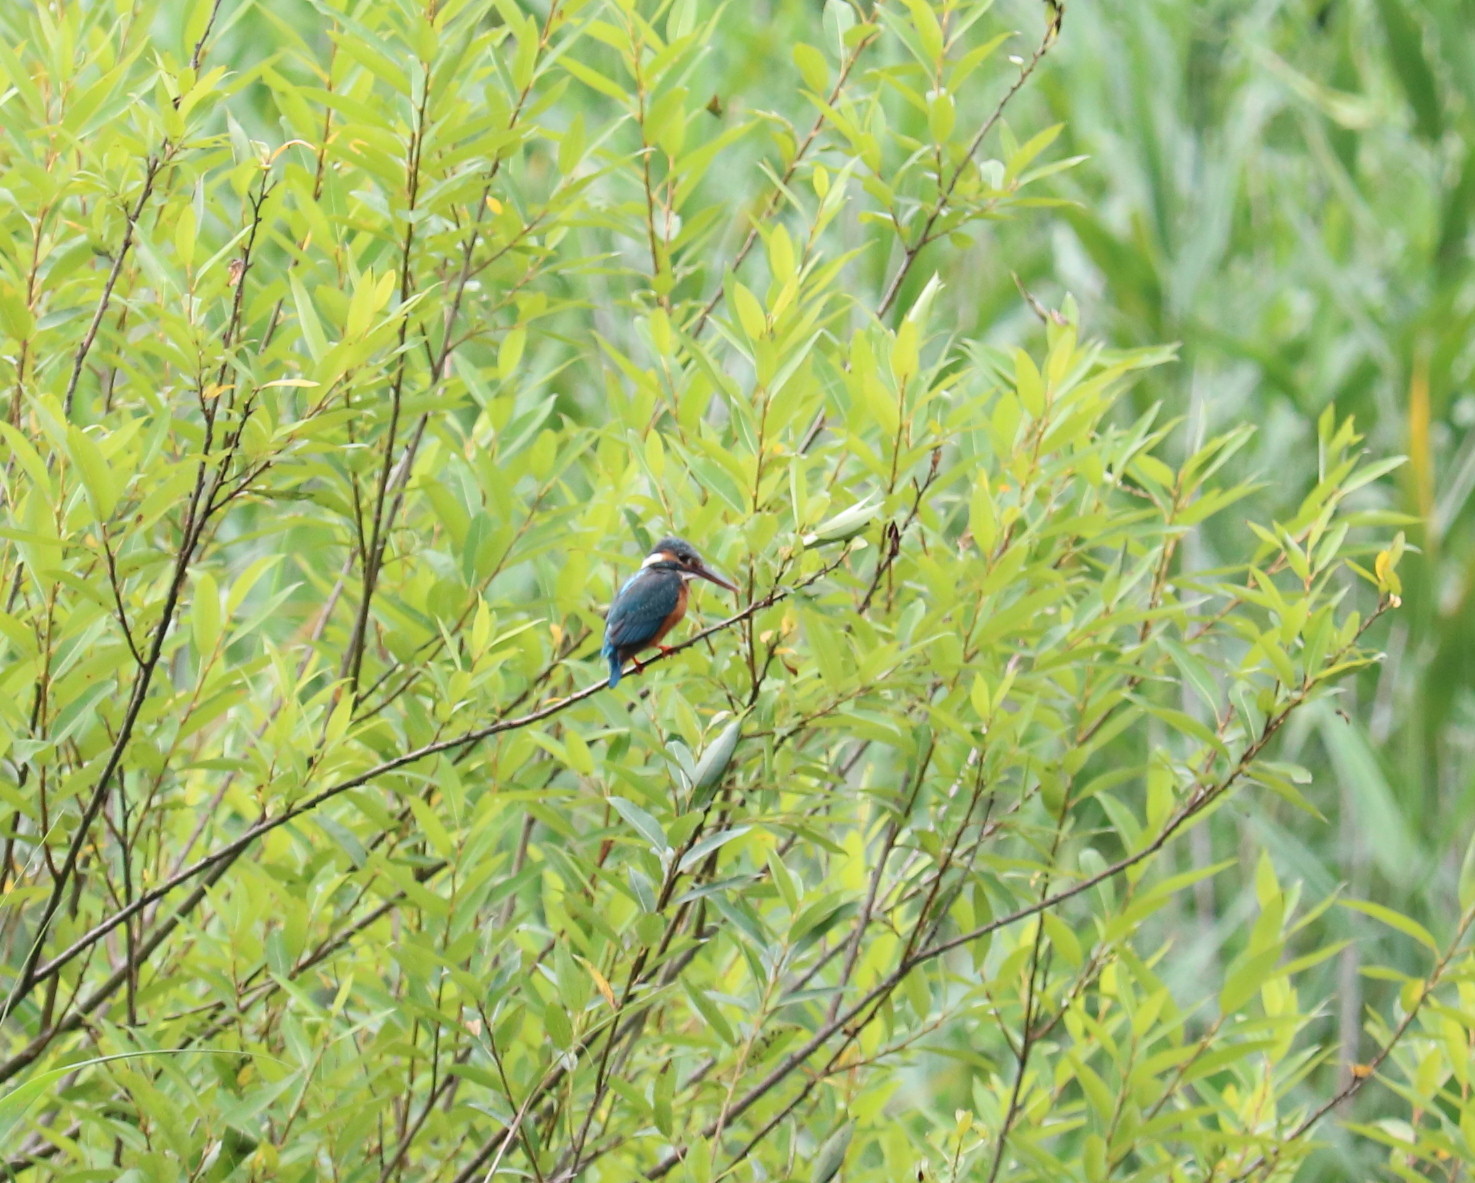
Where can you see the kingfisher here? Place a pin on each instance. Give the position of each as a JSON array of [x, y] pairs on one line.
[[652, 602]]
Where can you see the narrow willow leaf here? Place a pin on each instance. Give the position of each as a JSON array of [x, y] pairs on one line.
[[712, 766], [644, 824], [831, 1155]]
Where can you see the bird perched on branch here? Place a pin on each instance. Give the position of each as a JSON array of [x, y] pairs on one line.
[[652, 602]]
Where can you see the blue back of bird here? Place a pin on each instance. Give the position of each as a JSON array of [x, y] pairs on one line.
[[639, 615]]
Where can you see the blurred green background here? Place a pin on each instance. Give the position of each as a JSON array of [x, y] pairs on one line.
[[1286, 190]]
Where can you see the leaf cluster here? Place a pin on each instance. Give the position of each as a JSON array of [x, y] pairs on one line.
[[346, 383]]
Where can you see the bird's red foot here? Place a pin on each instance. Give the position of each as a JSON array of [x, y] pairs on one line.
[[665, 650]]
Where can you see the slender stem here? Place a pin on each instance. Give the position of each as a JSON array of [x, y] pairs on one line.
[[1056, 12]]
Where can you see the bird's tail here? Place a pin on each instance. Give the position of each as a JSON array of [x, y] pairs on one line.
[[615, 665]]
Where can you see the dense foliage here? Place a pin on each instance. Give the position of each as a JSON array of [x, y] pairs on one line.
[[356, 353]]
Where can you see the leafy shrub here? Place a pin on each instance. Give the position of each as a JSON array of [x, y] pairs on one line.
[[348, 382]]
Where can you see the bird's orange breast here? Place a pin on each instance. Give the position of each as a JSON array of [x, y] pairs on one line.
[[673, 618]]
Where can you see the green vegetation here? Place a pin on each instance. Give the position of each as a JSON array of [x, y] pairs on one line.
[[1001, 829]]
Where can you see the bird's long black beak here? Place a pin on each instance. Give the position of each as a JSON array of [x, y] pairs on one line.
[[713, 577]]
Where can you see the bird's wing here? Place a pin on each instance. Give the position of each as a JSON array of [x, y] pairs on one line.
[[639, 610]]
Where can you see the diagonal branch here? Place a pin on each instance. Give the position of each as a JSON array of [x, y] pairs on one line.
[[1203, 796], [1268, 1161], [248, 838]]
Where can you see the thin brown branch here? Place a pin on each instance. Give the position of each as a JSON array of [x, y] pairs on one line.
[[1199, 799], [226, 853], [1266, 1163], [775, 198], [1055, 15]]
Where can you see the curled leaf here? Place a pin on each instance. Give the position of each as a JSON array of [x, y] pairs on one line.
[[847, 523], [713, 764]]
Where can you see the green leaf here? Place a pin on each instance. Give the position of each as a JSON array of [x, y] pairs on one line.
[[1395, 920], [831, 1155], [97, 476], [509, 353], [644, 824], [1245, 977], [712, 766], [847, 523], [838, 19], [812, 67], [708, 1010], [750, 312], [711, 842], [1405, 34], [15, 1104], [594, 79], [556, 1024], [205, 615], [307, 320]]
